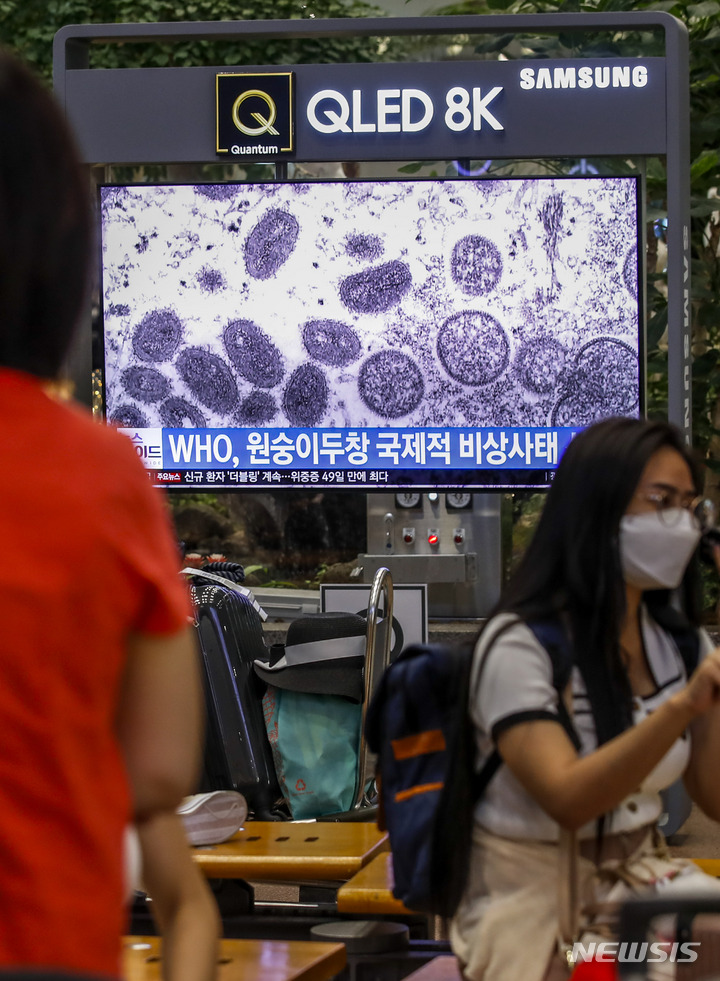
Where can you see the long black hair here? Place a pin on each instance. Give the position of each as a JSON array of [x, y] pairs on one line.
[[572, 565], [45, 225]]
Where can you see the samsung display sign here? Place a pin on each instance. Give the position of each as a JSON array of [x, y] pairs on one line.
[[448, 110]]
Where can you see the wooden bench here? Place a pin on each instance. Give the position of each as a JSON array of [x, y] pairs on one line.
[[711, 866], [370, 890], [239, 960], [292, 851]]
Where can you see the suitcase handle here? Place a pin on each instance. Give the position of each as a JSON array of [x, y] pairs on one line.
[[228, 583]]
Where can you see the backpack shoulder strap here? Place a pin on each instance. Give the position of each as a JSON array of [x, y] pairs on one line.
[[552, 633]]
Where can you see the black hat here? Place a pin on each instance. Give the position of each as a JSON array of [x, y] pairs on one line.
[[324, 654]]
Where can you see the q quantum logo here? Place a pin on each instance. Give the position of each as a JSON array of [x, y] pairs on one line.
[[255, 114]]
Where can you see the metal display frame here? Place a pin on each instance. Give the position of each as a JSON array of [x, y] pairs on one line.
[[167, 115], [71, 56]]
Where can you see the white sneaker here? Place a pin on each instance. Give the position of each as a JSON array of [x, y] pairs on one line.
[[211, 818]]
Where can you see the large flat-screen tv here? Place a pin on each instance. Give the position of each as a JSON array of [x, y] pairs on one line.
[[369, 334]]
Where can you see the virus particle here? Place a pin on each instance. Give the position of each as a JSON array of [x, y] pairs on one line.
[[270, 243], [331, 342], [473, 348], [391, 384], [376, 290], [157, 337], [209, 379], [306, 396]]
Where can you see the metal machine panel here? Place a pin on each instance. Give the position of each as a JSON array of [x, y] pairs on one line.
[[451, 541]]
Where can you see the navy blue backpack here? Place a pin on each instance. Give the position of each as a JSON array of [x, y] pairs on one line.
[[419, 727]]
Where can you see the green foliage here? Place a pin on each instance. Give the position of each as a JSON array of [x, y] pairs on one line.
[[179, 501], [527, 506], [28, 26]]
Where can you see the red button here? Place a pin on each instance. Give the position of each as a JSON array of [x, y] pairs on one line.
[[433, 539]]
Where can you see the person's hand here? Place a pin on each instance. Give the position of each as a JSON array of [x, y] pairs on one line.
[[702, 691]]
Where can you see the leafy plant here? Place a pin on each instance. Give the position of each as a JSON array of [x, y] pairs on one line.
[[28, 26]]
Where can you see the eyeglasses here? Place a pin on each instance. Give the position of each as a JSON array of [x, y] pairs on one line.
[[670, 505]]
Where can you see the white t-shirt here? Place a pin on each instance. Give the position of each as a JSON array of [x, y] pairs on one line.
[[517, 686]]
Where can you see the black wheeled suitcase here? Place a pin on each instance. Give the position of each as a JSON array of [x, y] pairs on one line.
[[237, 752]]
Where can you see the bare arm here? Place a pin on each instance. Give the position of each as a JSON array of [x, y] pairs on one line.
[[574, 790], [183, 906], [700, 777], [159, 721]]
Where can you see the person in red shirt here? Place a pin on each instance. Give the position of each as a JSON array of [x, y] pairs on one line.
[[100, 698]]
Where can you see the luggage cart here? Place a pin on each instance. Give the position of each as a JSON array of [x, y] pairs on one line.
[[378, 645]]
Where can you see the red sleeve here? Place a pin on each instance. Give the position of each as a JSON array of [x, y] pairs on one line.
[[166, 608], [145, 538]]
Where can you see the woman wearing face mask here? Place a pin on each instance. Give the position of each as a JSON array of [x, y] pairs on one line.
[[635, 709]]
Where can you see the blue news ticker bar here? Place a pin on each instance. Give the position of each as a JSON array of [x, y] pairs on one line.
[[511, 448]]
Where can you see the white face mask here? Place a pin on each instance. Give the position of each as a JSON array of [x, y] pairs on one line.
[[655, 550]]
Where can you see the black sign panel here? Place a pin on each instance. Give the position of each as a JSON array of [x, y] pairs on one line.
[[436, 111], [451, 110], [255, 114]]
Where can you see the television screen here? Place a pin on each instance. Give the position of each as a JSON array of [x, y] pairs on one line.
[[369, 334]]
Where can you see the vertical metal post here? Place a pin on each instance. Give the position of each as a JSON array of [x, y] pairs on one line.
[[382, 586], [678, 233]]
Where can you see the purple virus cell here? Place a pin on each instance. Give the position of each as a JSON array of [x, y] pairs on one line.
[[258, 409], [209, 379], [129, 417], [270, 243], [147, 385], [177, 413], [391, 384], [376, 290], [217, 192], [157, 337], [475, 265], [630, 273], [614, 364], [473, 348], [539, 364], [306, 396], [253, 354], [582, 404], [604, 382], [210, 280], [364, 246], [331, 342]]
